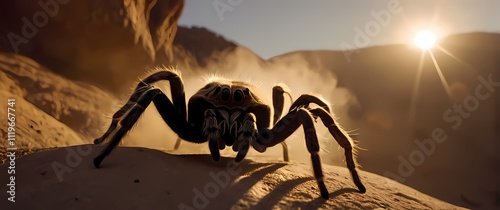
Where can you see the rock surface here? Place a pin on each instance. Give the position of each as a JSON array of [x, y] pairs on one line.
[[106, 43], [50, 110], [139, 178]]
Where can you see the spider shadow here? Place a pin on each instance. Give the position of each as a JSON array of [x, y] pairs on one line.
[[319, 201], [249, 174], [254, 172], [252, 176], [277, 194]]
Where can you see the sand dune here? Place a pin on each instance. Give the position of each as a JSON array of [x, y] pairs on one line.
[[51, 110], [139, 178]]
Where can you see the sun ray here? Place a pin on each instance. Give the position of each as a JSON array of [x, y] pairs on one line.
[[440, 73], [414, 96], [455, 57]]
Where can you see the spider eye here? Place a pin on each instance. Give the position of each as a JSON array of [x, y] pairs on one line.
[[238, 96], [246, 91], [217, 90], [226, 94]]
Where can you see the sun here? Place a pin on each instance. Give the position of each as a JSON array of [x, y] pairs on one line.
[[425, 40]]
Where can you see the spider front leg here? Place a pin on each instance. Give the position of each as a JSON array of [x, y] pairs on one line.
[[168, 112], [211, 132], [172, 116], [344, 141], [178, 97], [299, 115], [127, 122], [285, 127], [119, 114], [246, 134], [337, 132]]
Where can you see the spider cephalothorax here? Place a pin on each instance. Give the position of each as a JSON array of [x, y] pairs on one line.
[[230, 113]]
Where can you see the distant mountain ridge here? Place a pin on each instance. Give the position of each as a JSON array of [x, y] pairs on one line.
[[383, 80], [201, 43], [110, 44]]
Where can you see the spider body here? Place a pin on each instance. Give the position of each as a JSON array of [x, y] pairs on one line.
[[230, 113], [232, 104]]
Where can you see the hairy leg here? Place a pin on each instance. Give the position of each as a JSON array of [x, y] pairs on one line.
[[211, 132], [177, 91], [278, 105], [306, 99], [285, 127], [119, 114], [279, 101], [246, 134], [167, 110], [126, 123], [344, 141]]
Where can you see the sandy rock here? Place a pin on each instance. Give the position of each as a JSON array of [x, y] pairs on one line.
[[139, 178], [34, 128], [106, 43], [51, 110]]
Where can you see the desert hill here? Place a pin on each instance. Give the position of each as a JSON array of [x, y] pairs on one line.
[[139, 178], [201, 45], [68, 78], [375, 95], [366, 108], [382, 80], [105, 43], [50, 109]]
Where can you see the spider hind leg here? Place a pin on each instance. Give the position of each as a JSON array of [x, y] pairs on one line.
[[278, 104]]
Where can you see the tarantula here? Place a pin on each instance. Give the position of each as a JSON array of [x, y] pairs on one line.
[[230, 113]]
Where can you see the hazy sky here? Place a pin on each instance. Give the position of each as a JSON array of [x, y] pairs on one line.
[[274, 27]]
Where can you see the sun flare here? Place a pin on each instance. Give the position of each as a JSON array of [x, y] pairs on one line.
[[425, 40]]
